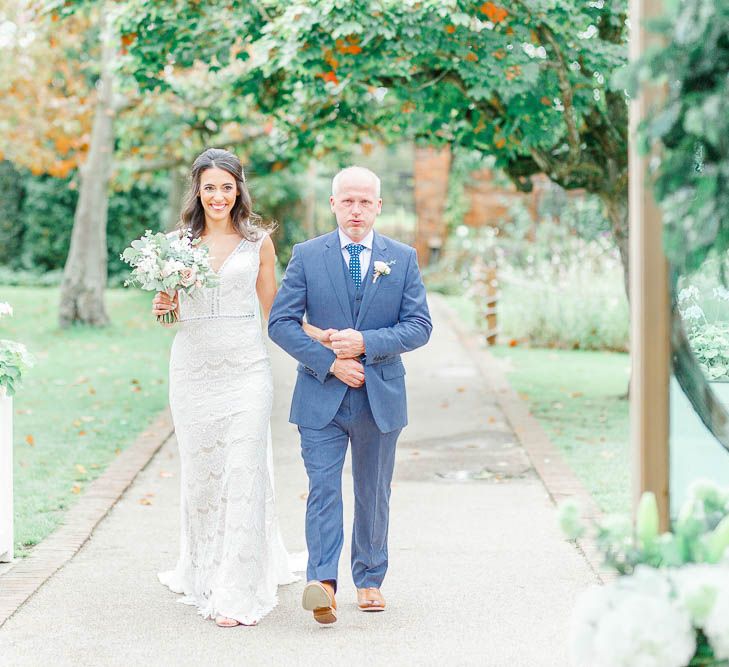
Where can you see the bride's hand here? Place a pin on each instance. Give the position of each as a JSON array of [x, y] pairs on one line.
[[325, 337], [163, 303]]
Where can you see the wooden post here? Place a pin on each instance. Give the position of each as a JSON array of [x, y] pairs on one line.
[[650, 307], [6, 477]]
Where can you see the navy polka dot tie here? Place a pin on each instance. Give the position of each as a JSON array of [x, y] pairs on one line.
[[355, 269]]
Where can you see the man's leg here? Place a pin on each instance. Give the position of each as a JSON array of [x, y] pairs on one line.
[[323, 451], [373, 461]]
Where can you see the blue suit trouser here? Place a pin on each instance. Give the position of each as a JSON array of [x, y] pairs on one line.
[[373, 461]]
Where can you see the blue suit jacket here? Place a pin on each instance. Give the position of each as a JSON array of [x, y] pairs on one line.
[[393, 319]]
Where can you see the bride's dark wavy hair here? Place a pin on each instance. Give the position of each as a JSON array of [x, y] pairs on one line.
[[245, 221]]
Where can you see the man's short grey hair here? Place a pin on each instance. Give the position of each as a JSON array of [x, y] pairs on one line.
[[355, 168]]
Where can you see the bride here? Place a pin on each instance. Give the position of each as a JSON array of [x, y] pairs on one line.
[[232, 557]]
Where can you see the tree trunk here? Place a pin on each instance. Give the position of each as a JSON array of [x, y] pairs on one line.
[[616, 205], [431, 171], [175, 197], [85, 273]]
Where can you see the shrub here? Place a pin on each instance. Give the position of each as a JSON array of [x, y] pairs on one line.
[[557, 288], [45, 221]]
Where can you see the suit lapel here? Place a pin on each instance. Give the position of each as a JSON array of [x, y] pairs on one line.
[[379, 253], [333, 262]]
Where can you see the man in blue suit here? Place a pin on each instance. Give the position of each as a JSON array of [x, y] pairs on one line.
[[365, 291]]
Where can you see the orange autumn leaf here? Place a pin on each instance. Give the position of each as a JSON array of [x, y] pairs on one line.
[[494, 13], [330, 77], [512, 72], [546, 101], [472, 57], [353, 39], [75, 489], [513, 343], [30, 440], [499, 55], [500, 142], [354, 49], [127, 39], [450, 29]]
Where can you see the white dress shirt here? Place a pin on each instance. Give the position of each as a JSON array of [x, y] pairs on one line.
[[365, 255]]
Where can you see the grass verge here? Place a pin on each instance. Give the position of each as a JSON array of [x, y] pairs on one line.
[[579, 399], [91, 392]]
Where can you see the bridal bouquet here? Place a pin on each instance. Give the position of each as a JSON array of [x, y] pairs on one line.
[[670, 606], [167, 264]]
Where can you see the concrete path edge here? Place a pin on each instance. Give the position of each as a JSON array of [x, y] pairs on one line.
[[26, 576], [557, 477]]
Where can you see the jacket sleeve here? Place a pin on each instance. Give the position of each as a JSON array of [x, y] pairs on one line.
[[285, 321], [414, 324]]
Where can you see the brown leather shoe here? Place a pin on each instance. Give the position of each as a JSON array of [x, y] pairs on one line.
[[370, 599], [318, 597]]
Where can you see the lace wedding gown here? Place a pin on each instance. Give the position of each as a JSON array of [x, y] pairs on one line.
[[232, 557]]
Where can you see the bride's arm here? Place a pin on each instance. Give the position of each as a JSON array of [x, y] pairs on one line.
[[266, 283], [266, 290]]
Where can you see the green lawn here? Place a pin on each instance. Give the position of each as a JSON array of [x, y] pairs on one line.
[[579, 399], [91, 392]]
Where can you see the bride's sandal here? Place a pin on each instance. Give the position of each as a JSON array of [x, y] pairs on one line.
[[225, 622]]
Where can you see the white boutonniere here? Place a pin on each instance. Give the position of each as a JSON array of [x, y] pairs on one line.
[[382, 269]]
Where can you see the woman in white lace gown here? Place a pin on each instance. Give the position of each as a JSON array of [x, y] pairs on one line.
[[231, 557]]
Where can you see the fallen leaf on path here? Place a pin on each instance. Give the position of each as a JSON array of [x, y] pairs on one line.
[[575, 394], [117, 451], [149, 495], [76, 488], [492, 420], [82, 433], [165, 474], [80, 469], [145, 501], [77, 422], [92, 391], [27, 411], [460, 390], [415, 453], [30, 440]]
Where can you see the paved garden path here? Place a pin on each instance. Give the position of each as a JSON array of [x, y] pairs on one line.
[[479, 573]]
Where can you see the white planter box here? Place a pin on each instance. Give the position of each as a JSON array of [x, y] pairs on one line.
[[6, 477]]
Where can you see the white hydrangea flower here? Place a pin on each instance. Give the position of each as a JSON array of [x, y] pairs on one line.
[[632, 622], [5, 309], [716, 625], [643, 630], [696, 588]]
